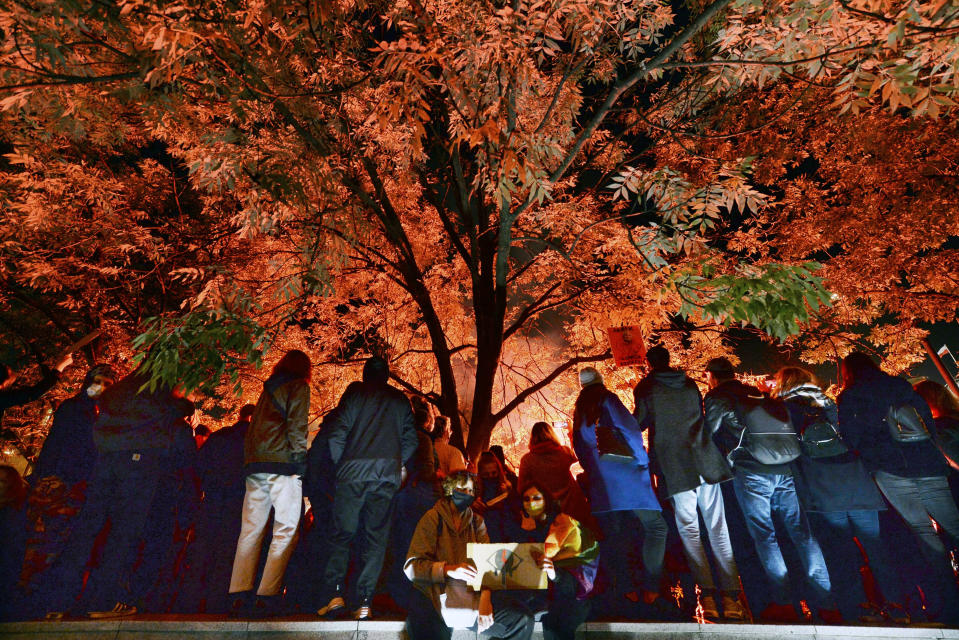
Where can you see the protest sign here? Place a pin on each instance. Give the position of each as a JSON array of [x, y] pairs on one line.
[[507, 565]]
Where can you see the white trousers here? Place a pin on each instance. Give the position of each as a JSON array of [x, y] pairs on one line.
[[708, 500], [263, 491]]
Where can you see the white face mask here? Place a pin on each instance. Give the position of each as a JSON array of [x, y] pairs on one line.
[[94, 390]]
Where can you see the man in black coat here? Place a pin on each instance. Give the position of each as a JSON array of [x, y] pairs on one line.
[[371, 436], [133, 435], [690, 466], [68, 451]]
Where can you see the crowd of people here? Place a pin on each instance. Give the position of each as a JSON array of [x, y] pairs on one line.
[[776, 504]]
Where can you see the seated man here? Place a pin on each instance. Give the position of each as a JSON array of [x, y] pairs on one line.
[[440, 571]]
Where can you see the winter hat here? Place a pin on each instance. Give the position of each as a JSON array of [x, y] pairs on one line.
[[103, 370], [588, 376]]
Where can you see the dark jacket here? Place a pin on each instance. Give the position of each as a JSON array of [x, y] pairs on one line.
[[614, 485], [24, 395], [862, 413], [371, 434], [669, 404], [276, 439], [220, 463], [838, 483], [68, 451], [547, 466], [947, 435], [130, 420], [723, 407]]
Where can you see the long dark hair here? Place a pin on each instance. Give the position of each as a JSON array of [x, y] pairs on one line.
[[588, 405], [295, 364], [553, 506], [854, 366]]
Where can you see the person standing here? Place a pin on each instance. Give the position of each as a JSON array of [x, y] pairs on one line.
[[68, 451], [622, 499], [547, 465], [274, 461], [690, 466], [912, 475], [764, 491], [371, 436], [133, 434], [842, 502], [448, 457]]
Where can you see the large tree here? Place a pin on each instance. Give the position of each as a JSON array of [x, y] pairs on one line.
[[429, 179]]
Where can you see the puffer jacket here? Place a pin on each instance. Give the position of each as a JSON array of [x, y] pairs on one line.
[[669, 404], [276, 439], [723, 407], [371, 434], [838, 483], [441, 538]]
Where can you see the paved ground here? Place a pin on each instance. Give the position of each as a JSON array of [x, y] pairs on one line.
[[302, 628]]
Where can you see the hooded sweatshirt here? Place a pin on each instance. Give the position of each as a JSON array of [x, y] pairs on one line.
[[669, 405]]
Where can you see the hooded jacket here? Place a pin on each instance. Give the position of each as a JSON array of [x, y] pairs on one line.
[[371, 434], [723, 407], [441, 538], [131, 420], [862, 424], [276, 439], [614, 485], [68, 451], [669, 404], [839, 483], [547, 466]]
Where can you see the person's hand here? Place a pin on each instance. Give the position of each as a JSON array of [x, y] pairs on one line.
[[485, 619], [64, 362], [478, 507], [545, 563], [464, 571]]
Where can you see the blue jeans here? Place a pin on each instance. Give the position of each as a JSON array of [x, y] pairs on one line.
[[763, 496], [844, 559]]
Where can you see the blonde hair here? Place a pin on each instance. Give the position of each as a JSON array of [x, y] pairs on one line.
[[788, 378]]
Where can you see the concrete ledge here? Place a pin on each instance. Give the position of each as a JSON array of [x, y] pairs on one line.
[[175, 627]]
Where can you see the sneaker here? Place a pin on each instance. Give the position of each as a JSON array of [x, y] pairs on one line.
[[871, 614], [53, 616], [709, 609], [119, 610], [363, 612], [781, 613], [733, 609], [335, 606], [896, 613]]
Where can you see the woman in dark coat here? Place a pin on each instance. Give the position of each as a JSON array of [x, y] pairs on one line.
[[842, 502], [911, 475], [547, 466], [622, 499]]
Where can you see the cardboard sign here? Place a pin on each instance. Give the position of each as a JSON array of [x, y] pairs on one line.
[[507, 565], [627, 346]]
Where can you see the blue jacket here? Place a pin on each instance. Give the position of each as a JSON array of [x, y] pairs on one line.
[[615, 486], [862, 413]]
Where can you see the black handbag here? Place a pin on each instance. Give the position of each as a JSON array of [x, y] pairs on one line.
[[612, 445], [821, 440], [906, 425]]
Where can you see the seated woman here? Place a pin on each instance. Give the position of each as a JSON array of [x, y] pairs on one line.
[[496, 498], [440, 571], [571, 560]]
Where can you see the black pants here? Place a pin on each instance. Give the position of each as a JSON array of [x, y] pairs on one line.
[[361, 515], [510, 621], [121, 491], [621, 530], [565, 613]]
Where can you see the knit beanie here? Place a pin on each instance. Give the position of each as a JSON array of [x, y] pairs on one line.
[[588, 376]]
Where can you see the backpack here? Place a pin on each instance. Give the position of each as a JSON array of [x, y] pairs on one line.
[[905, 424], [769, 435], [820, 439]]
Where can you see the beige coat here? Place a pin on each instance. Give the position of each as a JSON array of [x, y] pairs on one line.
[[441, 538]]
